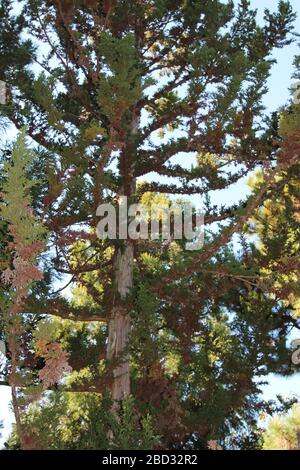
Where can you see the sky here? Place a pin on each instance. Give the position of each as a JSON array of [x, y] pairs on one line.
[[278, 95]]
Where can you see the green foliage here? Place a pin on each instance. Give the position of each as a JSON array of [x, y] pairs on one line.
[[16, 196], [283, 432], [81, 421], [120, 87], [289, 121]]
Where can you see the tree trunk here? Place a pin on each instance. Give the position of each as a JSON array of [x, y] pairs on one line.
[[119, 323]]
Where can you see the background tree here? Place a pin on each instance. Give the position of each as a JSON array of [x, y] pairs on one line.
[[283, 432]]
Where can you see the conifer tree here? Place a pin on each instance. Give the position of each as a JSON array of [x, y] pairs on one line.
[[112, 92], [283, 431], [23, 245]]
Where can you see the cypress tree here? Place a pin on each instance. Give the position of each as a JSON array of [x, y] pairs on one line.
[[112, 92]]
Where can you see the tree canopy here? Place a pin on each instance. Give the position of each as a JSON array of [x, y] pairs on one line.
[[123, 343]]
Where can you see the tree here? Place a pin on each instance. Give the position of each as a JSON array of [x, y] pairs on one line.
[[283, 432], [95, 83], [23, 246]]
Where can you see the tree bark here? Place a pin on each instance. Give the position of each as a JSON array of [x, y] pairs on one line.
[[119, 323]]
